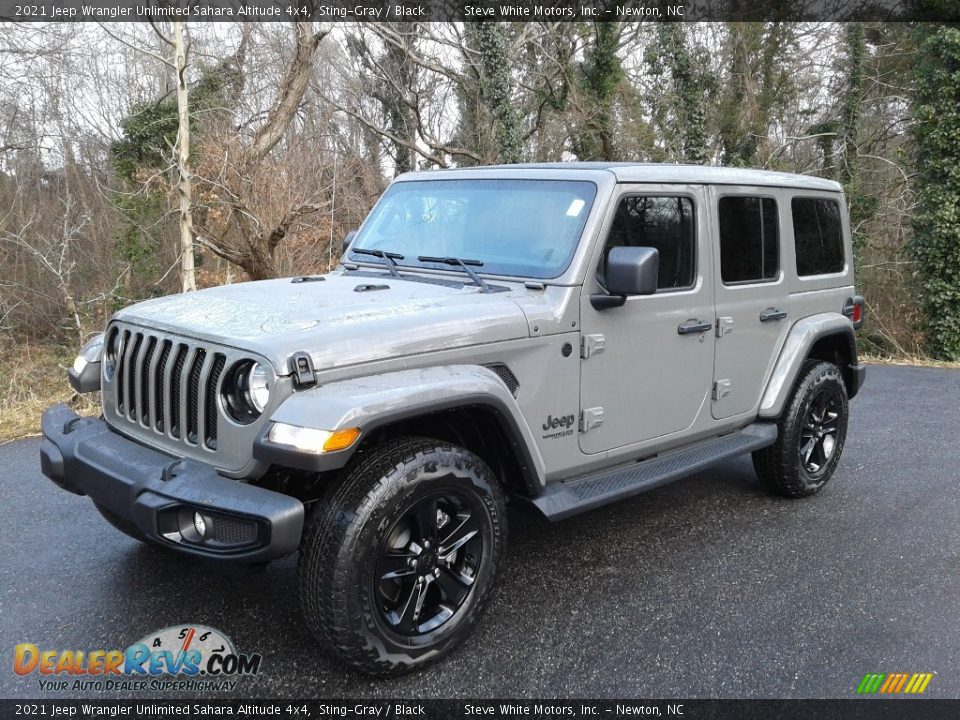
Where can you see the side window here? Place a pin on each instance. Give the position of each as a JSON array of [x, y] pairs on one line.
[[664, 223], [818, 234], [749, 239]]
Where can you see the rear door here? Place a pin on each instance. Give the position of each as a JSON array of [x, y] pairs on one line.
[[750, 293]]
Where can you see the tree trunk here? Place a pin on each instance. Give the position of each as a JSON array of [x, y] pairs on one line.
[[496, 69], [184, 190]]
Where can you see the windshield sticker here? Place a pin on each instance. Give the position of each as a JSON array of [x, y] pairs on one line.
[[575, 207]]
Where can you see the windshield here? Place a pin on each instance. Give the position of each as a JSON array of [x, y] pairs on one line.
[[528, 228]]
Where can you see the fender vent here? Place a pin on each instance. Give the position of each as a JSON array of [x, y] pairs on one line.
[[508, 378]]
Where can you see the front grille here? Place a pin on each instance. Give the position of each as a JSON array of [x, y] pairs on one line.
[[168, 386]]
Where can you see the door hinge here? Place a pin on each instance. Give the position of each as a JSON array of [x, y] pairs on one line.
[[721, 388], [591, 418], [724, 326], [592, 345]]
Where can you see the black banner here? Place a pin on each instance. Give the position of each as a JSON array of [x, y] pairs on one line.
[[872, 709], [477, 10]]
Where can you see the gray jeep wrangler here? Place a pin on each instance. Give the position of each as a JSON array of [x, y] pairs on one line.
[[562, 336]]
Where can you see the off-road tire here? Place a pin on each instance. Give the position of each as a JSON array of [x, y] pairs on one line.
[[344, 540], [780, 466], [124, 526]]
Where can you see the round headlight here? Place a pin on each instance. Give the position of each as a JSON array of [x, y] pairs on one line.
[[245, 391], [258, 390]]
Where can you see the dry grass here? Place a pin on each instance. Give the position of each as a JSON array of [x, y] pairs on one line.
[[911, 360], [32, 378]]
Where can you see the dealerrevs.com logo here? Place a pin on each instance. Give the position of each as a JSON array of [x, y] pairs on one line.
[[179, 657]]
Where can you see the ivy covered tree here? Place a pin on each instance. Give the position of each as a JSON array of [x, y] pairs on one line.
[[682, 92], [145, 155], [600, 76], [759, 83], [492, 45], [936, 224]]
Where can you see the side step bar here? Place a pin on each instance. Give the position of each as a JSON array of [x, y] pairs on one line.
[[563, 499]]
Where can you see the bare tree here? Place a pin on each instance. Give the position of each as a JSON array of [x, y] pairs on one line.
[[235, 230]]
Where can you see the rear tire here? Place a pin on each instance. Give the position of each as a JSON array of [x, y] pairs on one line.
[[812, 432], [399, 557], [124, 526]]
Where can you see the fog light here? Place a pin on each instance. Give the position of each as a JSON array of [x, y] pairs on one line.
[[199, 525]]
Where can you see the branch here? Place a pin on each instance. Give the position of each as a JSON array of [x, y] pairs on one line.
[[133, 47], [280, 231], [295, 80]]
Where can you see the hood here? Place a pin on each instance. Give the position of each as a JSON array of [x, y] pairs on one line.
[[333, 322]]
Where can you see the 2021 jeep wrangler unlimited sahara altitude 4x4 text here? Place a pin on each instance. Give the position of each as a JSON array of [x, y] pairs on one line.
[[564, 335]]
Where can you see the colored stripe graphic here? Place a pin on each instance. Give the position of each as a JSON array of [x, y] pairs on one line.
[[870, 683], [894, 683]]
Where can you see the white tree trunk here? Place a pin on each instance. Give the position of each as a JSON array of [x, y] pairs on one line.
[[184, 189]]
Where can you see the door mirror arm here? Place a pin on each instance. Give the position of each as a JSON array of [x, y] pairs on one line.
[[604, 301]]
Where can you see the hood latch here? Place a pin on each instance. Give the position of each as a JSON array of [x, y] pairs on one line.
[[302, 367]]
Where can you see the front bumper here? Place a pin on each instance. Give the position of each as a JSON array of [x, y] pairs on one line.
[[160, 494]]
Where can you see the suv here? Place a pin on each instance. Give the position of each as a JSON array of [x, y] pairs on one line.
[[561, 335]]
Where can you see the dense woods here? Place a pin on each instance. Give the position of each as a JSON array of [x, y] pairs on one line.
[[139, 160]]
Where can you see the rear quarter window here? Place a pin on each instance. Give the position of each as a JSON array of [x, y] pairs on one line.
[[818, 236]]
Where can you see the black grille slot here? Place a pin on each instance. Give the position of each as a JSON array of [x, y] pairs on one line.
[[120, 374], [131, 389], [145, 381], [508, 378], [159, 389], [193, 395], [210, 422], [176, 378]]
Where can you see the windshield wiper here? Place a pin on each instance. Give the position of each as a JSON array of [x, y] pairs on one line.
[[463, 263], [387, 256]]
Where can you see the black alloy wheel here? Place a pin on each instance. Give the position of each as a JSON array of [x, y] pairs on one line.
[[428, 564], [818, 436]]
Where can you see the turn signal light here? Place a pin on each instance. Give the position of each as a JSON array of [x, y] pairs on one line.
[[341, 439]]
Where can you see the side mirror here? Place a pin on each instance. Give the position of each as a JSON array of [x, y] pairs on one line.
[[630, 271], [348, 238]]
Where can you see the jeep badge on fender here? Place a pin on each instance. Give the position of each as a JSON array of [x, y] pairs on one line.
[[376, 420]]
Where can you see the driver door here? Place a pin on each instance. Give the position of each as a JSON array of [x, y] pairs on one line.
[[647, 366]]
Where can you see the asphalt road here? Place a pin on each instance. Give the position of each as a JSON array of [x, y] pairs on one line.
[[705, 588]]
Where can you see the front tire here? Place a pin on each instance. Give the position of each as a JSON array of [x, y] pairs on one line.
[[398, 559], [812, 432]]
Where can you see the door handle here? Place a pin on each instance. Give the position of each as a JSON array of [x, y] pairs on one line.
[[772, 314], [693, 326]]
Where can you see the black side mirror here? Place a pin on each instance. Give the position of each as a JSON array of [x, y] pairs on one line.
[[348, 238], [630, 271]]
